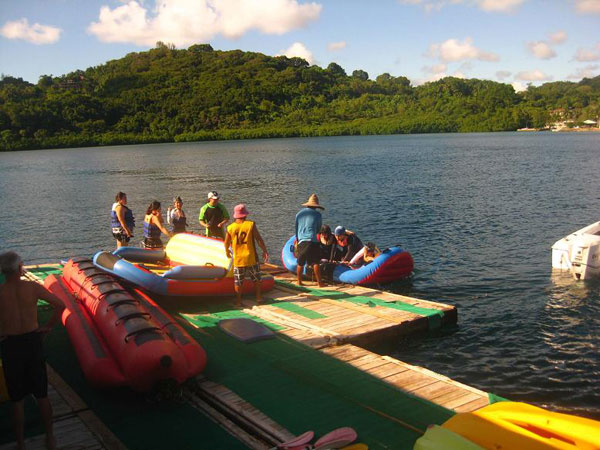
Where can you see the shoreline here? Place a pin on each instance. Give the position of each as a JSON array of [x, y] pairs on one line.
[[246, 134]]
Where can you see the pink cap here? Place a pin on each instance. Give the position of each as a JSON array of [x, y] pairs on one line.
[[240, 211]]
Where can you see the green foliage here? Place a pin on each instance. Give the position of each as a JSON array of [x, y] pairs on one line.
[[166, 95]]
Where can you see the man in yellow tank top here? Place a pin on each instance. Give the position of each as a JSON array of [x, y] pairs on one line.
[[242, 235]]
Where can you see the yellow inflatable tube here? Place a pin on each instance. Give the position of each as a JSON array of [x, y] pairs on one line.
[[511, 425]]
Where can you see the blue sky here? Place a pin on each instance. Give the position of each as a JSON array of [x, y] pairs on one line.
[[513, 41]]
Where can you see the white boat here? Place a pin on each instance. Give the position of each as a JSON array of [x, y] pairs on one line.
[[579, 252]]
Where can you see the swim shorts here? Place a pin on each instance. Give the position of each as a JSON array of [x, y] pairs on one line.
[[122, 237], [309, 253], [154, 243], [239, 273], [24, 366]]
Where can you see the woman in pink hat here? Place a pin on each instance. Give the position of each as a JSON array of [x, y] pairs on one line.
[[242, 235]]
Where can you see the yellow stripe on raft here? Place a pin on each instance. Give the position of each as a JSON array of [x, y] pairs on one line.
[[195, 250], [512, 425]]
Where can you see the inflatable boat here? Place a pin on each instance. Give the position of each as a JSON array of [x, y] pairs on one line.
[[392, 264], [122, 338], [512, 425], [190, 265], [579, 253]]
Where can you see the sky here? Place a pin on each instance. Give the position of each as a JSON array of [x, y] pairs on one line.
[[512, 41]]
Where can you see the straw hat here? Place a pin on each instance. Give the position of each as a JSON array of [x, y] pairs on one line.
[[313, 202]]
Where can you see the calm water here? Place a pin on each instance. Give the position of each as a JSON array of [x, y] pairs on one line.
[[478, 212]]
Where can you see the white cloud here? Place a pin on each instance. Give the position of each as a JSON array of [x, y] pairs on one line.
[[532, 75], [587, 6], [334, 46], [36, 33], [558, 37], [486, 5], [518, 86], [541, 50], [298, 49], [588, 54], [585, 72], [184, 22], [503, 74], [500, 5], [453, 50]]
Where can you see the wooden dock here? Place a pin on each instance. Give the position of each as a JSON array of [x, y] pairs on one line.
[[335, 321]]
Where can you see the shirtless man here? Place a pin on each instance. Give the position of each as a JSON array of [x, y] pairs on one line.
[[21, 344]]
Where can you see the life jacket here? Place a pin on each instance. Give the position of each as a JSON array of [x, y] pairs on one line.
[[151, 231], [242, 243], [368, 259], [179, 224], [114, 220]]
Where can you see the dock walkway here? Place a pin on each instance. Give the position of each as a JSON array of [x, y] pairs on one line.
[[313, 375]]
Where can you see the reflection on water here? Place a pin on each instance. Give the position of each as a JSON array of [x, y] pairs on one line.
[[478, 212]]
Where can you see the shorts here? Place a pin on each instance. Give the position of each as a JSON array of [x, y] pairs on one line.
[[24, 366], [309, 253], [122, 237], [239, 273], [152, 243]]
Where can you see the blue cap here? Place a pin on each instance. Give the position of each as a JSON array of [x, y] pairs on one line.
[[339, 230]]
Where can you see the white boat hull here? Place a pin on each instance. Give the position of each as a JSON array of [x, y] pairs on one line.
[[579, 252]]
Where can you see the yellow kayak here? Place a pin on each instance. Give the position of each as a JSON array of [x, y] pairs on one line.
[[512, 425]]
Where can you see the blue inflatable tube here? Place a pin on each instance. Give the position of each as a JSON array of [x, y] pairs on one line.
[[392, 264]]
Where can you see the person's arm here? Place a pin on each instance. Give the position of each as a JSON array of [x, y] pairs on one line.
[[227, 244], [201, 217], [169, 212], [55, 302], [225, 215], [121, 217], [258, 238], [359, 255], [159, 223]]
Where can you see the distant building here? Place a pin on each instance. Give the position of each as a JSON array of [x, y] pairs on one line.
[[590, 123]]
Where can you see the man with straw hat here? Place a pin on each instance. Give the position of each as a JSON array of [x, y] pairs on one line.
[[308, 224]]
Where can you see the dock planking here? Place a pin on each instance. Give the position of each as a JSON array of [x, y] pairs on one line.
[[328, 320]]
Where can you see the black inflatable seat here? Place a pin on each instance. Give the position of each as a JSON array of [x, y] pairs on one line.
[[118, 297], [125, 311]]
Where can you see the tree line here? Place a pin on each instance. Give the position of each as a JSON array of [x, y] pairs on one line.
[[170, 95]]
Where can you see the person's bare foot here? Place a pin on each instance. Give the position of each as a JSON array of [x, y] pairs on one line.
[[322, 285], [258, 301]]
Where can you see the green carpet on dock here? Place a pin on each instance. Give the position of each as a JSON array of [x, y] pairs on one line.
[[434, 316], [298, 387], [304, 389]]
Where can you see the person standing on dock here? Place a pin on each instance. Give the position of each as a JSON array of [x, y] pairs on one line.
[[213, 216], [21, 345], [242, 235], [121, 220], [308, 224], [176, 216]]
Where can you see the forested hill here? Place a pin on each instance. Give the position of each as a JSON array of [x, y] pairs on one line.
[[165, 94]]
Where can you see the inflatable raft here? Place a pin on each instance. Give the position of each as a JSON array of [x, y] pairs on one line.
[[190, 265], [512, 425], [122, 338], [392, 264]]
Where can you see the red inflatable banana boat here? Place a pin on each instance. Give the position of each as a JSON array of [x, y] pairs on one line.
[[122, 338]]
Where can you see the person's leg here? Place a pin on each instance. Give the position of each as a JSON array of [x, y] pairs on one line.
[[258, 292], [18, 419], [317, 271], [238, 295], [299, 274], [46, 412]]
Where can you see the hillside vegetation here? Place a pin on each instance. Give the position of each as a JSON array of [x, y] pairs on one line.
[[166, 95]]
